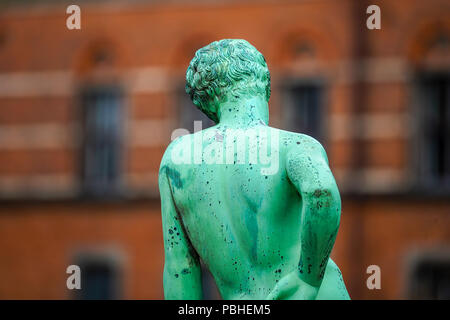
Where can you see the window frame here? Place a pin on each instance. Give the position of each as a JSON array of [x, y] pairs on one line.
[[288, 83], [420, 182], [91, 189], [415, 259], [110, 257]]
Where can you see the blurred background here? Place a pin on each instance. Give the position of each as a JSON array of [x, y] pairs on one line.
[[85, 116]]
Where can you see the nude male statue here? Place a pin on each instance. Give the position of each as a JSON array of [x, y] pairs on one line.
[[265, 231]]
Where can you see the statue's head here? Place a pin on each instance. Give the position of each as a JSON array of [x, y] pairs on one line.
[[223, 70]]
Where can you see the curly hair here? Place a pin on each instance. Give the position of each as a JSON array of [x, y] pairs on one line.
[[224, 69]]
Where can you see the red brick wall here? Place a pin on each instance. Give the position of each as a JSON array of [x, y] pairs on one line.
[[388, 233], [38, 243]]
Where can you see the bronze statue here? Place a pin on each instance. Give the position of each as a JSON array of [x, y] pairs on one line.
[[258, 205]]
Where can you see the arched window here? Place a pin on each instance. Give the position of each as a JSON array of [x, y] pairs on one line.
[[302, 88], [101, 104], [101, 275], [102, 110], [429, 54]]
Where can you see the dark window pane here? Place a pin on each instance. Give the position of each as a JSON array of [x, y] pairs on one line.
[[100, 278], [97, 280], [102, 139], [435, 112], [431, 280], [302, 110]]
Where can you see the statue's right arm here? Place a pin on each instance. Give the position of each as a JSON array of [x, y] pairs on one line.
[[308, 170], [182, 273]]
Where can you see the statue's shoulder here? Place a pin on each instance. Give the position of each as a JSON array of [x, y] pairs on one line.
[[299, 143], [171, 150], [297, 140]]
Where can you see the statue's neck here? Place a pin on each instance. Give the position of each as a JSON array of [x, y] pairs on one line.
[[244, 112]]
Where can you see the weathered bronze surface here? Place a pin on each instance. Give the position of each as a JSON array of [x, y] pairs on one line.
[[258, 205]]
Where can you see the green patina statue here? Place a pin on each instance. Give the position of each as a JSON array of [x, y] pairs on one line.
[[258, 205]]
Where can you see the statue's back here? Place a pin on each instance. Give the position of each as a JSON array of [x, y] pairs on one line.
[[242, 216]]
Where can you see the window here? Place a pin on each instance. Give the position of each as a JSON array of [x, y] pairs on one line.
[[302, 110], [434, 115], [100, 277], [102, 114], [188, 113], [430, 279]]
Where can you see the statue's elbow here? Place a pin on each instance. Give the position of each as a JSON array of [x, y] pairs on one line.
[[326, 202]]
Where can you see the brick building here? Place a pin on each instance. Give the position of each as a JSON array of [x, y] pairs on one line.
[[85, 116]]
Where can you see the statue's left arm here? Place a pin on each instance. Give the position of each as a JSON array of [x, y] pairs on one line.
[[182, 272]]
